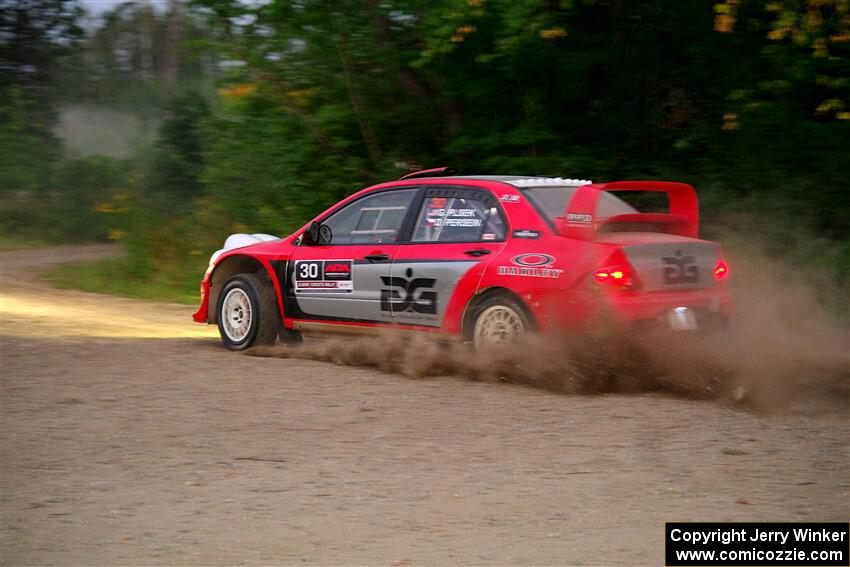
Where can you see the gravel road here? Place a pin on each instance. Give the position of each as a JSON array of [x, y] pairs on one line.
[[128, 436]]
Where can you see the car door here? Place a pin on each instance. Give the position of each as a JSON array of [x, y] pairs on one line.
[[454, 234], [341, 282]]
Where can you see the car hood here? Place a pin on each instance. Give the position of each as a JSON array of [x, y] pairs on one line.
[[241, 240]]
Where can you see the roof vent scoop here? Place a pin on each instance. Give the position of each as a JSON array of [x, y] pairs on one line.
[[557, 181], [435, 172]]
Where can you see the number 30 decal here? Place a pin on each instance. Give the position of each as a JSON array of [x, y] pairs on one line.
[[323, 276], [308, 270]]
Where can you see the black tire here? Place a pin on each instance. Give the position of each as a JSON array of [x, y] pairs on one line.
[[247, 296], [517, 317], [289, 336]]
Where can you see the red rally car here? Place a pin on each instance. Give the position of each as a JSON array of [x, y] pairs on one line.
[[483, 258]]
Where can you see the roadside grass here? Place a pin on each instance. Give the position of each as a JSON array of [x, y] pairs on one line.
[[114, 277]]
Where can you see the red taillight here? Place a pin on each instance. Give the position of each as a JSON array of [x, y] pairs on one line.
[[619, 276], [608, 275], [721, 270]]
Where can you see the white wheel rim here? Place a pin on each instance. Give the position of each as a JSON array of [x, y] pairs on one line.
[[236, 315], [497, 325]]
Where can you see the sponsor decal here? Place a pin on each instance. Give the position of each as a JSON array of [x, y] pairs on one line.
[[533, 260], [509, 198], [680, 269], [532, 265], [525, 233], [323, 276], [415, 295], [529, 272], [579, 218], [338, 270]]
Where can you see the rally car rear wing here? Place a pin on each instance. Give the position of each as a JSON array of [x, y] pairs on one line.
[[581, 221]]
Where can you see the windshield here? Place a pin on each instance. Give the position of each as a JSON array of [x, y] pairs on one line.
[[551, 202]]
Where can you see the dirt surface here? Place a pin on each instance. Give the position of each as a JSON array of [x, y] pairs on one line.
[[129, 436]]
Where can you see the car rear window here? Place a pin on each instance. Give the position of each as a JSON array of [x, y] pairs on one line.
[[551, 202]]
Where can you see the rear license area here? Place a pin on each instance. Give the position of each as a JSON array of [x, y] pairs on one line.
[[682, 319]]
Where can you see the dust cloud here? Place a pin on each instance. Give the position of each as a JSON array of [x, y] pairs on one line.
[[787, 349], [93, 130]]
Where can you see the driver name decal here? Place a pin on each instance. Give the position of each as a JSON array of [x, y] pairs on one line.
[[453, 217], [323, 276]]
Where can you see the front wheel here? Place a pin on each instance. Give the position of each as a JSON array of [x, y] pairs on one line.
[[499, 320], [247, 313]]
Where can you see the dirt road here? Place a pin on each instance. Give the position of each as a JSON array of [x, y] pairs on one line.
[[129, 436]]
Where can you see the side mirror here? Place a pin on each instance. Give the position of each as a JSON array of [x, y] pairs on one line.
[[317, 234]]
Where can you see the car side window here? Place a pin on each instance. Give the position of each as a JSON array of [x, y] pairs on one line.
[[458, 219], [372, 219]]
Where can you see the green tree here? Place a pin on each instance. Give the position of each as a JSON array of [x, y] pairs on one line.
[[179, 160], [33, 35]]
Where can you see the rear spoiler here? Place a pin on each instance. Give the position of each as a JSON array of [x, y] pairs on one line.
[[580, 220]]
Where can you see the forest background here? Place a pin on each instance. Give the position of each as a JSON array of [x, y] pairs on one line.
[[167, 126]]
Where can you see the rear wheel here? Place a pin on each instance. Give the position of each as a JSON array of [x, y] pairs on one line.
[[498, 320], [247, 311]]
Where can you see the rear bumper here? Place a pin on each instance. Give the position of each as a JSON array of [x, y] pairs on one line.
[[632, 307], [559, 312]]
